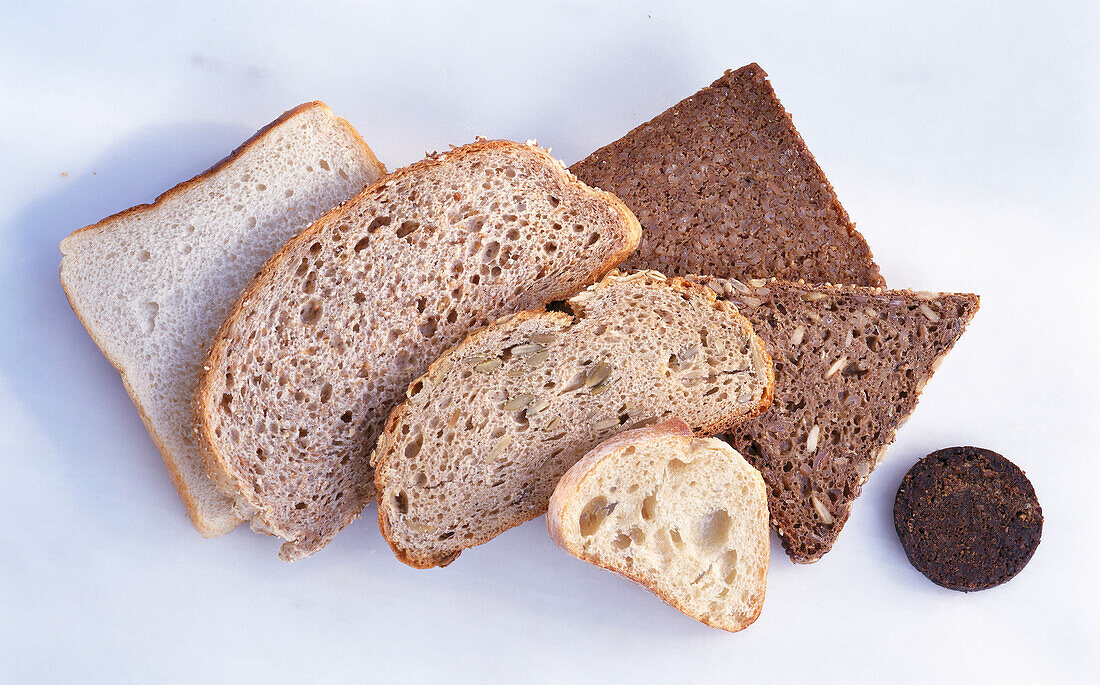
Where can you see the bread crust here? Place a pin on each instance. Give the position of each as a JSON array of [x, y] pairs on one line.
[[207, 525], [673, 429], [681, 285], [217, 463]]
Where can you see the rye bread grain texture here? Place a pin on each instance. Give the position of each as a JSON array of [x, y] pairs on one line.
[[685, 517], [487, 433], [324, 342], [724, 185], [153, 283], [850, 364], [968, 518]]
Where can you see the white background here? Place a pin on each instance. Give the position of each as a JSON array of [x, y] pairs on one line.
[[962, 137]]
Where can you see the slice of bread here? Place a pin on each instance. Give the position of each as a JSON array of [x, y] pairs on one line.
[[153, 283], [686, 517], [488, 431], [724, 185], [850, 364], [324, 342]]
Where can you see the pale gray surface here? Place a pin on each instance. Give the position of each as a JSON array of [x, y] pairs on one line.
[[964, 140]]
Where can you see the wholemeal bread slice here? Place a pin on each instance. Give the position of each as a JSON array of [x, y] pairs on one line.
[[686, 517], [153, 283], [488, 431], [324, 342], [850, 364], [724, 185]]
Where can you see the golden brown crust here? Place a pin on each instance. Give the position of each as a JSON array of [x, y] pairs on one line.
[[216, 462], [208, 528], [672, 429]]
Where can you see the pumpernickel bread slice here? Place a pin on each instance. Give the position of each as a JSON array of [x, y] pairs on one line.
[[324, 342], [487, 433], [724, 185], [686, 517], [850, 364], [153, 283]]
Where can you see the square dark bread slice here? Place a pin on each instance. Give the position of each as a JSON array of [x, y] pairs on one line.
[[724, 185], [850, 364]]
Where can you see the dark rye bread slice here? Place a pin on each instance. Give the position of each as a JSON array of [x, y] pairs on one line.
[[324, 342], [487, 433], [968, 518], [850, 364], [724, 185]]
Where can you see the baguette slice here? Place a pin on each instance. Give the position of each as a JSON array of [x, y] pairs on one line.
[[153, 283], [724, 185], [324, 342], [850, 364], [488, 431], [686, 517]]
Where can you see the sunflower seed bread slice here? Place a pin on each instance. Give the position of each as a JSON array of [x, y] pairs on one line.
[[487, 433], [850, 364], [685, 517], [325, 341], [724, 185], [153, 283]]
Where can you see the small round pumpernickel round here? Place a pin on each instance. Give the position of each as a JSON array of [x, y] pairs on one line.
[[968, 518]]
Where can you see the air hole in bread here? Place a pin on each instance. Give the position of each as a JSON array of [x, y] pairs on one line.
[[714, 529], [401, 501], [649, 507], [594, 514], [312, 311], [406, 228]]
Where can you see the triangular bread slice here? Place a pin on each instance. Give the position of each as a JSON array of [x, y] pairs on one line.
[[324, 342], [724, 185], [487, 433], [153, 283], [850, 364], [686, 517]]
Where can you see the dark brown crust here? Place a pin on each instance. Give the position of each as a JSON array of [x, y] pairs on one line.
[[758, 139], [205, 527], [217, 462], [555, 517], [967, 518], [719, 426]]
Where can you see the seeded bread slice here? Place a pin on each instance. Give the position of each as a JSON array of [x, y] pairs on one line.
[[686, 517], [324, 342], [850, 364], [487, 433], [724, 185], [153, 283]]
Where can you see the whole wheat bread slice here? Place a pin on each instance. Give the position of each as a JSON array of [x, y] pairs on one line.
[[850, 364], [488, 431], [153, 283], [724, 185], [686, 517], [324, 342]]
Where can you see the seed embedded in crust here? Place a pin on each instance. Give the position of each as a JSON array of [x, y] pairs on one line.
[[799, 333], [487, 366], [606, 423], [837, 367], [811, 440], [538, 358], [752, 301], [822, 512], [544, 338], [813, 296], [518, 402], [597, 375], [530, 348], [499, 448], [537, 405], [929, 312]]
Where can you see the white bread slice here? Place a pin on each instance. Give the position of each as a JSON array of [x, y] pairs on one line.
[[492, 426], [686, 517], [324, 342], [153, 283]]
